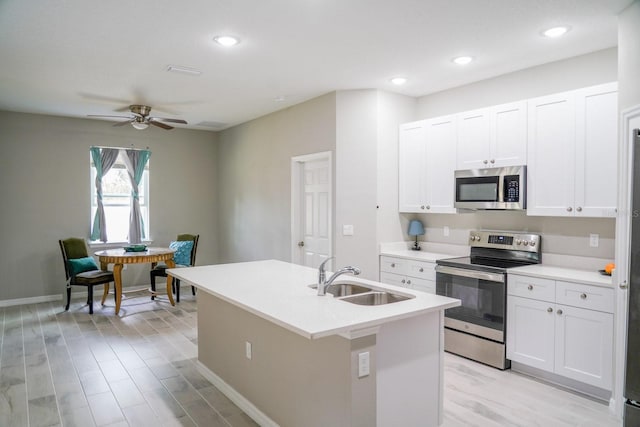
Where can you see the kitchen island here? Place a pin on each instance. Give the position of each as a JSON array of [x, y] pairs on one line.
[[288, 357]]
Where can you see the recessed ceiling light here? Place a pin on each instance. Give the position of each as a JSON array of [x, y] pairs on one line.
[[555, 32], [462, 60], [398, 80], [226, 41]]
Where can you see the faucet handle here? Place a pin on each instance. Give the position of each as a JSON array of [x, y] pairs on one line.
[[321, 274]]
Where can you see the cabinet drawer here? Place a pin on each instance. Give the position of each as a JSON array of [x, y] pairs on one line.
[[585, 296], [428, 286], [393, 279], [393, 265], [531, 287], [421, 269]]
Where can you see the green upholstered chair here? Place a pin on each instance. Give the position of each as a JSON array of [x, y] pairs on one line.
[[160, 269], [81, 270]]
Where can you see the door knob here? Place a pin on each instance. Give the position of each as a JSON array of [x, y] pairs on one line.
[[301, 243], [623, 285]]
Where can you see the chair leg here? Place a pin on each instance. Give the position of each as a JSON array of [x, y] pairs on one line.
[[153, 285], [105, 293], [176, 282], [193, 290], [90, 299], [68, 298]]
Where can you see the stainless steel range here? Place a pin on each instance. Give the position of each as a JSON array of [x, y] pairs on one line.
[[477, 328]]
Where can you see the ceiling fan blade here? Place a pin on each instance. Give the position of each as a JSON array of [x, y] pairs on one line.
[[102, 115], [126, 122], [164, 119], [160, 125]]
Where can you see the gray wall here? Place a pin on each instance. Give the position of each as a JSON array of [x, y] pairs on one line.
[[254, 176], [45, 194], [567, 236], [629, 57]]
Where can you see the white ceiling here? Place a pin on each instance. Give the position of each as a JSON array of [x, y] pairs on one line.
[[79, 57]]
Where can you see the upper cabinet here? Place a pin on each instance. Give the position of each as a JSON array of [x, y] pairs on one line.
[[493, 137], [572, 153], [427, 159]]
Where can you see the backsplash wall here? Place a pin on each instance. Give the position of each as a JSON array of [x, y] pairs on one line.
[[563, 236]]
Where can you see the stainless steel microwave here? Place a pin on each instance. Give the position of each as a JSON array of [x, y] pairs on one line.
[[492, 188]]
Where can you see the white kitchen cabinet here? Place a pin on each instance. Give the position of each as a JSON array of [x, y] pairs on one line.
[[572, 153], [427, 159], [418, 275], [561, 327], [493, 137], [412, 166]]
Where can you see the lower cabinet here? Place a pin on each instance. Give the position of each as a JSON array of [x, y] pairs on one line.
[[418, 275], [561, 327]]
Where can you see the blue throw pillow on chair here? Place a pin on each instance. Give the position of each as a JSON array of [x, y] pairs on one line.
[[182, 254], [80, 265]]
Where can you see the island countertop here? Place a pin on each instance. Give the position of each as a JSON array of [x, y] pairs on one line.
[[278, 291]]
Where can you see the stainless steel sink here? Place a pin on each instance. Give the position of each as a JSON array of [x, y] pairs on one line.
[[345, 289], [376, 298]]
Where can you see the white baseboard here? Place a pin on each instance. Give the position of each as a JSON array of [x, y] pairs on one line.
[[242, 402], [31, 300]]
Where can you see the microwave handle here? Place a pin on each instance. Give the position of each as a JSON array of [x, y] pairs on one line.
[[473, 274]]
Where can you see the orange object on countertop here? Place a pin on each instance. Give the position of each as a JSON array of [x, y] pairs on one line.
[[609, 268]]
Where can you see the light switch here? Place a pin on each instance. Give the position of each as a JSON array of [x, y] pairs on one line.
[[594, 240], [347, 230], [446, 231]]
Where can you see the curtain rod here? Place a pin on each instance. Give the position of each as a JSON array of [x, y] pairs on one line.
[[122, 148]]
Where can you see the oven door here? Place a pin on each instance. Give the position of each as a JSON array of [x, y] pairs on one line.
[[483, 297]]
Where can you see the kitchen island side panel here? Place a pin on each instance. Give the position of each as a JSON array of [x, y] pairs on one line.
[[292, 380]]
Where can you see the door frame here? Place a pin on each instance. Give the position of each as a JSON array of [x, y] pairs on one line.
[[297, 167]]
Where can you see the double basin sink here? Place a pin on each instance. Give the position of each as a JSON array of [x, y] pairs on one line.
[[356, 293]]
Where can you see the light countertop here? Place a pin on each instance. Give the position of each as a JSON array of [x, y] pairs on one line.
[[416, 255], [589, 277], [278, 292]]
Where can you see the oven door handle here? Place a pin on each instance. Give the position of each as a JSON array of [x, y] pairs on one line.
[[474, 274]]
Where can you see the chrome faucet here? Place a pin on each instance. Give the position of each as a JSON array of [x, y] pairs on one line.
[[323, 283]]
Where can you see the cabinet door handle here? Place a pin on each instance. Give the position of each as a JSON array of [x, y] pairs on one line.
[[579, 209], [422, 207], [421, 270], [428, 207], [559, 311], [569, 209], [393, 265], [549, 310], [403, 281], [583, 296], [408, 282], [530, 287], [485, 162], [492, 161]]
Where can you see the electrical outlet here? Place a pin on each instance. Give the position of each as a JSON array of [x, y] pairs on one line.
[[247, 349], [594, 240], [363, 364], [446, 231], [347, 230]]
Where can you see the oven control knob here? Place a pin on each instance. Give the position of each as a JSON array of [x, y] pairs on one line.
[[477, 238], [526, 243], [532, 243], [518, 242]]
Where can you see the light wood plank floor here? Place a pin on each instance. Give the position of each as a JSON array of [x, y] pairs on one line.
[[138, 369]]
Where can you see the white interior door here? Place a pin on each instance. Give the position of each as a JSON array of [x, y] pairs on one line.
[[311, 216]]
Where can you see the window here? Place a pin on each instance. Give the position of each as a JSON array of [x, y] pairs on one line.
[[117, 200]]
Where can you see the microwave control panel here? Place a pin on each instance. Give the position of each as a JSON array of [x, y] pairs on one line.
[[512, 188]]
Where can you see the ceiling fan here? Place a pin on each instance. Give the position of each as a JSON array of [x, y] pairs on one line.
[[140, 118]]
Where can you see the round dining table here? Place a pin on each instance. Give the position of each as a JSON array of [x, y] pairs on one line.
[[119, 257]]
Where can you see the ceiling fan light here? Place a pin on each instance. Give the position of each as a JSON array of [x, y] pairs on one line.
[[140, 125]]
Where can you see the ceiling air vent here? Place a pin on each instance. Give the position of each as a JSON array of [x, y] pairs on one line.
[[213, 125]]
